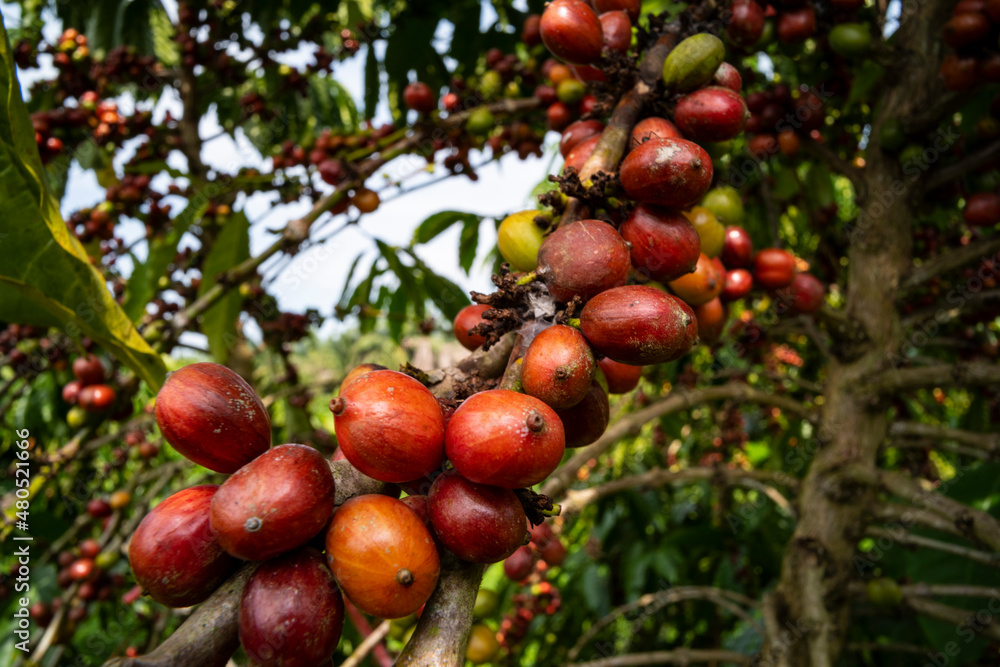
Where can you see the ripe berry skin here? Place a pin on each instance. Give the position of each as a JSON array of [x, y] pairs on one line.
[[558, 367], [419, 97], [773, 268], [390, 427], [639, 325], [96, 397], [275, 503], [665, 245], [571, 30], [586, 421], [477, 522], [174, 554], [291, 612], [88, 370], [713, 113], [577, 133], [583, 259], [213, 417], [982, 209], [467, 318], [503, 438], [621, 378], [382, 556], [653, 128], [668, 172], [737, 250], [738, 284]]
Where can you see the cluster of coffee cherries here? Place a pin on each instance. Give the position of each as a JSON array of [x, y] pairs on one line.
[[778, 116], [529, 566], [89, 391], [972, 34]]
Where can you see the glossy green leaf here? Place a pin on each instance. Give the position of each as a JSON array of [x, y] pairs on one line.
[[47, 277], [439, 222], [230, 248], [468, 244]]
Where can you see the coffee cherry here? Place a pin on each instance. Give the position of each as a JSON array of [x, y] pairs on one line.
[[99, 508], [558, 367], [667, 172], [577, 133], [578, 157], [631, 7], [982, 209], [805, 294], [71, 391], [964, 29], [559, 116], [120, 499], [616, 28], [419, 97], [365, 200], [477, 522], [88, 370], [553, 552], [571, 30], [773, 268], [89, 548], [390, 427], [710, 230], [726, 204], [174, 554], [520, 564], [701, 286], [519, 239], [480, 122], [621, 378], [738, 284], [531, 32], [483, 645], [331, 171], [639, 325], [586, 421], [503, 438], [711, 319], [81, 569], [357, 372], [729, 77], [853, 40], [796, 25], [664, 244], [382, 556], [747, 23], [96, 397], [692, 63], [211, 416], [737, 249], [711, 114], [583, 259], [275, 503], [467, 318], [291, 612], [653, 128]]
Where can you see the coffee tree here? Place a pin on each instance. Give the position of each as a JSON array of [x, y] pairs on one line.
[[733, 399]]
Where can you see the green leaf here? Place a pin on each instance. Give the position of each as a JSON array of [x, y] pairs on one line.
[[446, 295], [397, 314], [331, 105], [407, 281], [164, 45], [437, 223], [342, 301], [468, 244], [373, 87], [230, 248], [47, 277]]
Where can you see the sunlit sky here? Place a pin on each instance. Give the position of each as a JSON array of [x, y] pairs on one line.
[[315, 278]]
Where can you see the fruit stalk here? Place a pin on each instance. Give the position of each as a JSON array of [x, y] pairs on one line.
[[615, 137], [208, 637], [443, 630]]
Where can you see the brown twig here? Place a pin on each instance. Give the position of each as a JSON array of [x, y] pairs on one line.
[[989, 443], [967, 164], [949, 261], [676, 401], [680, 656], [660, 599]]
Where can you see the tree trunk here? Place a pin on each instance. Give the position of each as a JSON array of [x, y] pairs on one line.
[[809, 613]]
